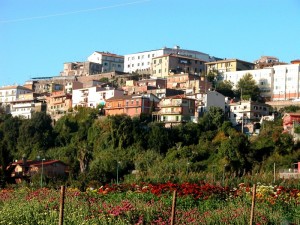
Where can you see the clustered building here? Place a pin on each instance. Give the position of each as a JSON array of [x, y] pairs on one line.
[[169, 84]]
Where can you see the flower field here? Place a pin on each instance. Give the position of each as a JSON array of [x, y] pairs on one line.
[[196, 203]]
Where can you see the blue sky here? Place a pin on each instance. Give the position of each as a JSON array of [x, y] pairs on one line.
[[37, 37]]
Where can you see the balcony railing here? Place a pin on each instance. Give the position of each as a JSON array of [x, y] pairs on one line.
[[167, 104]]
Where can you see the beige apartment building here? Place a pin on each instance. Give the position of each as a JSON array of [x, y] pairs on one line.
[[228, 65], [163, 66]]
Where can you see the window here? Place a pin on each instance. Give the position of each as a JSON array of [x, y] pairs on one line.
[[132, 65], [152, 55], [148, 55], [154, 61]]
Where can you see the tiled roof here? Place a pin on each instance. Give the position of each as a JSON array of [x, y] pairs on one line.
[[14, 87], [36, 162], [110, 54], [178, 56]]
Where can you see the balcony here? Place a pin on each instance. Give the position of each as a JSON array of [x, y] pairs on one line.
[[170, 104], [169, 112]]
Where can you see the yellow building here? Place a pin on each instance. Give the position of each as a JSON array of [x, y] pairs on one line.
[[164, 65], [228, 65]]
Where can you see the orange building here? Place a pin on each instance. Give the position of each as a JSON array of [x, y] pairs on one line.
[[131, 105], [22, 170], [58, 103]]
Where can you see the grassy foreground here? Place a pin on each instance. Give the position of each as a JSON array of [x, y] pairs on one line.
[[196, 203]]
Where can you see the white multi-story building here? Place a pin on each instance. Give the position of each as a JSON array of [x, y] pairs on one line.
[[244, 112], [206, 100], [109, 61], [93, 96], [263, 78], [286, 85], [26, 105], [141, 62], [11, 93]]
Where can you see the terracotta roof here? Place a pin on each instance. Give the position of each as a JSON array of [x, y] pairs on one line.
[[228, 60], [176, 96], [110, 54], [179, 56], [14, 87], [36, 162]]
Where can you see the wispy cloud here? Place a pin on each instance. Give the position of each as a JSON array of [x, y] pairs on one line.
[[73, 12]]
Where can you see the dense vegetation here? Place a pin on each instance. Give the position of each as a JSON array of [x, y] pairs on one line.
[[96, 148], [197, 203]]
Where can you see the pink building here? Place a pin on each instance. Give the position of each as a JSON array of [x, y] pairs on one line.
[[132, 105]]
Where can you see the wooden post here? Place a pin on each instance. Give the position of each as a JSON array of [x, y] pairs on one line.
[[61, 207], [173, 208], [253, 204]]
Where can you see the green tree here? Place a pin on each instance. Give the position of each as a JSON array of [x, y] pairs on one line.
[[247, 88], [235, 152], [64, 129], [213, 76], [159, 138], [212, 119], [35, 135], [225, 88]]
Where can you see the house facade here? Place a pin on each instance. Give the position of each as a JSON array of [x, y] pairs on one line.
[[58, 104], [267, 61], [109, 61], [144, 85], [10, 94], [189, 83], [23, 170], [163, 66], [175, 110], [141, 62], [244, 112], [288, 120], [209, 99], [26, 105], [286, 83], [93, 96], [81, 68], [228, 65], [262, 77], [131, 105]]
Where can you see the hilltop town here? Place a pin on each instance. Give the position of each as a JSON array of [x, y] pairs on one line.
[[173, 85]]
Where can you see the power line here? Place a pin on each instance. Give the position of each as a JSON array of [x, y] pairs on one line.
[[72, 12]]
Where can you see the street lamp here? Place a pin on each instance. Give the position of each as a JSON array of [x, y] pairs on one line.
[[224, 168], [187, 167], [213, 172], [42, 172], [118, 163]]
